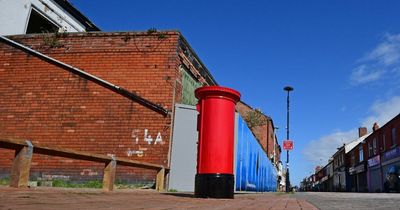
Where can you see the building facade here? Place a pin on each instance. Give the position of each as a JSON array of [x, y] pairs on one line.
[[384, 157], [339, 170], [149, 72], [358, 168], [264, 130], [370, 163], [46, 103]]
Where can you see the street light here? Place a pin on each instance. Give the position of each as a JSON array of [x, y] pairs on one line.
[[287, 89]]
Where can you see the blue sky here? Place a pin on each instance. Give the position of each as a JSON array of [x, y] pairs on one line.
[[341, 57]]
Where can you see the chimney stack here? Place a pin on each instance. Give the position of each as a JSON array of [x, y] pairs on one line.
[[375, 127], [362, 131]]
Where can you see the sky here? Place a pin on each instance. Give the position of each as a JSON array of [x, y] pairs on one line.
[[341, 57]]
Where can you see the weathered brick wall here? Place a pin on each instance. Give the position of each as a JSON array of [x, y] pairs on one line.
[[47, 104], [264, 133]]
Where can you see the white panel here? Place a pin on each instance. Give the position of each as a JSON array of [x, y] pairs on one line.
[[14, 16], [184, 149]]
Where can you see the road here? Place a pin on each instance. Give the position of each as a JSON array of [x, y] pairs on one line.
[[353, 201]]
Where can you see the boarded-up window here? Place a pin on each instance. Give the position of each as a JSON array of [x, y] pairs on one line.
[[189, 85]]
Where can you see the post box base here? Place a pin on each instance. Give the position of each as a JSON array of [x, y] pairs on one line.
[[214, 186]]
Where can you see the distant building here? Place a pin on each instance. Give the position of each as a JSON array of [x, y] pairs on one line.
[[41, 16], [369, 163], [265, 132], [357, 163], [325, 177], [383, 153], [339, 170]]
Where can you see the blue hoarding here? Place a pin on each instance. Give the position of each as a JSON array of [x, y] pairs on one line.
[[254, 170]]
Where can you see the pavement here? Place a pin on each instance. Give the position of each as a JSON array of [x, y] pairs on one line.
[[66, 198]]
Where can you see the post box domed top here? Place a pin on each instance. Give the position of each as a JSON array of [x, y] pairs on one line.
[[217, 91]]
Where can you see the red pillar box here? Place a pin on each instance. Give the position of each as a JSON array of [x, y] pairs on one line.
[[216, 122]]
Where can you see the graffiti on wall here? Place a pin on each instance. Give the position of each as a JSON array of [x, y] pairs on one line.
[[130, 152], [146, 137]]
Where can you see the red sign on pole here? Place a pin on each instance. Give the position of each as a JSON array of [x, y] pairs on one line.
[[287, 144]]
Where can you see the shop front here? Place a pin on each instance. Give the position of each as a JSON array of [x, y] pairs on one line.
[[390, 170], [358, 178], [374, 174], [339, 180]]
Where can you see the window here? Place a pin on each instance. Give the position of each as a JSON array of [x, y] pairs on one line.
[[341, 159], [38, 23], [360, 153], [334, 163], [369, 149], [374, 146], [353, 159], [189, 84], [384, 142], [394, 136]]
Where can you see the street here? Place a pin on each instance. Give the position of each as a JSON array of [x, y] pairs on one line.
[[335, 200]]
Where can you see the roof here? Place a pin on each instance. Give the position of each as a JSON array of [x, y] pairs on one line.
[[348, 147], [67, 6], [339, 149], [210, 79], [389, 122]]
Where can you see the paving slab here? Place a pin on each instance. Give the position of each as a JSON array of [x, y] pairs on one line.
[[66, 198]]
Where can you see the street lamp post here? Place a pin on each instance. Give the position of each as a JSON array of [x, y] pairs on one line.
[[287, 89]]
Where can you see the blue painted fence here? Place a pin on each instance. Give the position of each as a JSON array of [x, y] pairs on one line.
[[254, 171]]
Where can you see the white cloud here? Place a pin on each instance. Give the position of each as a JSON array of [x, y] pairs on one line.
[[388, 52], [383, 59], [363, 74], [383, 111], [319, 151]]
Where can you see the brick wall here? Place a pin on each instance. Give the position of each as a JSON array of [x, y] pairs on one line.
[[47, 104], [264, 134], [385, 133]]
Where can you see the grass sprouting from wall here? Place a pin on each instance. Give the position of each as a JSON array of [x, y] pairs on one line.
[[5, 181]]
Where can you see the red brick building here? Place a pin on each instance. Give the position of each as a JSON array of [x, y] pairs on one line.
[[357, 164], [264, 133], [383, 155], [46, 103]]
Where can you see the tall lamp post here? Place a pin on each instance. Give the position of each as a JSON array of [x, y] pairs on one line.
[[287, 89]]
